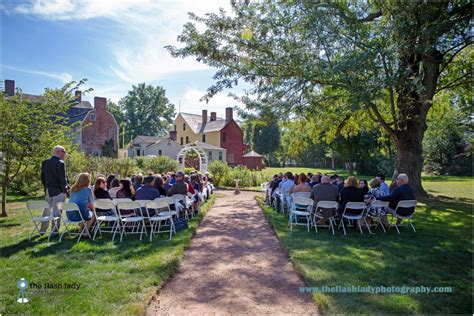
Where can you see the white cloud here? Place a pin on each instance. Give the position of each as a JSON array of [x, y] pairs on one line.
[[63, 77], [190, 102], [146, 26]]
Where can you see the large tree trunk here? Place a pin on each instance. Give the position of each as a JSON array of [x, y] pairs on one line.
[[410, 159]]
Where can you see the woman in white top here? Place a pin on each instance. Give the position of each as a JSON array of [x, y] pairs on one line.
[[114, 187]]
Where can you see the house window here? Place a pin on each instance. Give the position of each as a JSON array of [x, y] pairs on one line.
[[203, 138], [223, 137], [181, 141], [111, 133], [159, 152], [175, 129], [92, 117], [209, 155], [137, 151], [220, 155], [184, 126], [187, 139]]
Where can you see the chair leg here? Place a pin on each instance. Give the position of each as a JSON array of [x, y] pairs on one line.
[[332, 221], [368, 226], [412, 226]]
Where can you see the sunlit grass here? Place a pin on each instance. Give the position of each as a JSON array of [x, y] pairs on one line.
[[114, 277], [439, 254]]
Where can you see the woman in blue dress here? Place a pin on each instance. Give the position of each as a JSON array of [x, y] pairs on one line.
[[82, 195]]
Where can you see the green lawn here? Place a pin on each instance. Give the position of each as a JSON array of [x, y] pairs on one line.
[[114, 277], [439, 254]]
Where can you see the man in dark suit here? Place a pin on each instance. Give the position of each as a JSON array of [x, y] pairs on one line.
[[325, 191], [402, 192], [54, 179]]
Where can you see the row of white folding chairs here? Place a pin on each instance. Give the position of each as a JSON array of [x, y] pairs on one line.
[[120, 222], [302, 207]]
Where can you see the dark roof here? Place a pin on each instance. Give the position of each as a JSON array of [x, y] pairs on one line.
[[253, 154], [146, 139]]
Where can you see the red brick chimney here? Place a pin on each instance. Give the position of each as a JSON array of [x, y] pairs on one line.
[[213, 116], [204, 117], [228, 114], [100, 104], [78, 96], [10, 87], [173, 135]]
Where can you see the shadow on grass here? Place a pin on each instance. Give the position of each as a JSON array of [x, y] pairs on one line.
[[443, 237]]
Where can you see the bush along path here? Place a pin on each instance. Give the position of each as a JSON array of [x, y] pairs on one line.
[[234, 265]]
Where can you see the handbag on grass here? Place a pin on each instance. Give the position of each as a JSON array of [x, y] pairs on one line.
[[180, 224]]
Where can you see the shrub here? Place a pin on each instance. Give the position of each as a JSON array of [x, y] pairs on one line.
[[161, 164], [219, 170]]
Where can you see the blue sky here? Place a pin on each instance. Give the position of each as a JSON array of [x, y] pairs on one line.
[[114, 44]]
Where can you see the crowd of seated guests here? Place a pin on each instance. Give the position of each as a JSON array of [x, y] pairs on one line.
[[147, 187], [334, 188]]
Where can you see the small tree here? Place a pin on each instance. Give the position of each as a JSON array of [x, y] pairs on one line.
[[30, 129]]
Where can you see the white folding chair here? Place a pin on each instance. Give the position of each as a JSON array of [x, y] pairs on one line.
[[162, 214], [326, 205], [104, 204], [354, 206], [302, 208], [34, 207], [298, 194], [377, 220], [178, 198], [72, 209], [117, 201], [134, 222], [404, 205]]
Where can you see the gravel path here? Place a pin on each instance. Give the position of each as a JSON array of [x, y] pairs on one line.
[[234, 265]]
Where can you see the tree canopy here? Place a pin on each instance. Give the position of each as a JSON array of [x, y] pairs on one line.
[[146, 111], [30, 130], [340, 64]]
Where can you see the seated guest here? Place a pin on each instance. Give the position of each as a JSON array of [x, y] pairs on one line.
[[99, 189], [179, 187], [81, 194], [402, 192], [147, 191], [383, 185], [286, 186], [109, 181], [325, 191], [351, 193], [159, 185], [315, 179], [363, 186], [114, 187], [340, 183], [126, 191], [172, 179], [302, 185], [374, 193], [138, 179]]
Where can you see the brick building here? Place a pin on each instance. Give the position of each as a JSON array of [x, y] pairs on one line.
[[96, 126]]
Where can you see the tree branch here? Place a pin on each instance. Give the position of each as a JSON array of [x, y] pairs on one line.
[[390, 91], [447, 62], [379, 119], [454, 83], [342, 124]]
